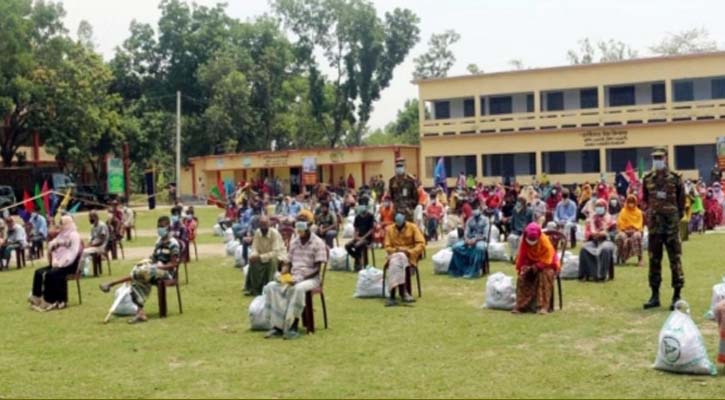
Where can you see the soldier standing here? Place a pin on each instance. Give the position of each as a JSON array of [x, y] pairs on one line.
[[403, 190], [663, 192]]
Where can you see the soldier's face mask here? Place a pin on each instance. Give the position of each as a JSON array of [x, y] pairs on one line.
[[658, 163], [399, 170]]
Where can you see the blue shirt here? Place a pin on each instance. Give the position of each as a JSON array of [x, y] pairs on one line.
[[40, 226], [565, 211], [477, 228], [293, 209]]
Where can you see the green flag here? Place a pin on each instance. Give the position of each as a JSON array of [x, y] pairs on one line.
[[640, 168], [39, 201], [216, 197]]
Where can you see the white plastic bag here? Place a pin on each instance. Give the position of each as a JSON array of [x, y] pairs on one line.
[[495, 234], [239, 257], [337, 259], [87, 268], [258, 318], [500, 292], [569, 266], [718, 294], [231, 247], [245, 271], [369, 283], [228, 235], [348, 231], [122, 303], [645, 240], [218, 231], [680, 346], [442, 260], [452, 237], [498, 251]]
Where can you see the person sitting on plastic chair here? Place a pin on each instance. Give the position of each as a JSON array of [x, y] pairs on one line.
[[285, 298], [565, 217], [364, 225], [99, 236], [326, 225], [39, 233], [144, 276], [267, 253], [470, 253], [15, 240], [404, 244]]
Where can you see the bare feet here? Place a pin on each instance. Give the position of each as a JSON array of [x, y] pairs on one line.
[[543, 311], [105, 288]]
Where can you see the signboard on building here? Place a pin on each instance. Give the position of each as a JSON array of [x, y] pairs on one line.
[[720, 147], [275, 159], [604, 137], [220, 163], [337, 156], [114, 170], [309, 171], [247, 162]]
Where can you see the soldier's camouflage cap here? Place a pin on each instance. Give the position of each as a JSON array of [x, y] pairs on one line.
[[659, 151]]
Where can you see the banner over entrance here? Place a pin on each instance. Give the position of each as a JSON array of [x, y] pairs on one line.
[[309, 171]]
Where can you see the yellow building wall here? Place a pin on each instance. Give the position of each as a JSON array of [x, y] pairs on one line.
[[670, 135]]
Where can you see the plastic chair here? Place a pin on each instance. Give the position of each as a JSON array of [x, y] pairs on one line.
[[558, 240], [161, 286], [408, 284], [308, 314], [97, 260]]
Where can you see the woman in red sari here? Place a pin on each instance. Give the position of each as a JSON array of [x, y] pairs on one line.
[[713, 211], [536, 265]]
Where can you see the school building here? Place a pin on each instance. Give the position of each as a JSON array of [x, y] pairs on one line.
[[574, 123], [362, 162]]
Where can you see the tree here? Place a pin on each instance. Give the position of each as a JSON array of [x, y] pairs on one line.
[[695, 40], [32, 42], [605, 51], [361, 49], [439, 58], [85, 35], [405, 129], [516, 64], [473, 69]]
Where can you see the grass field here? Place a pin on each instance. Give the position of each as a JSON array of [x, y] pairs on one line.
[[602, 344]]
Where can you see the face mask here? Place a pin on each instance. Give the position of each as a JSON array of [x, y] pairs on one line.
[[162, 231], [174, 219], [658, 164], [399, 170], [399, 219], [301, 226], [519, 207], [531, 242], [613, 202], [599, 210], [476, 213]]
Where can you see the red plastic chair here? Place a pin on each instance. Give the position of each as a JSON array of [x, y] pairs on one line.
[[308, 314], [161, 286]]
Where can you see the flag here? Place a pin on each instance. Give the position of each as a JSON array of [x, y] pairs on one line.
[[220, 189], [229, 187], [629, 171], [46, 199], [440, 174], [64, 203], [24, 215], [215, 197], [27, 203], [54, 201], [39, 201], [640, 168], [75, 208]]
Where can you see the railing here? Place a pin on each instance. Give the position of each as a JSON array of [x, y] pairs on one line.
[[591, 117]]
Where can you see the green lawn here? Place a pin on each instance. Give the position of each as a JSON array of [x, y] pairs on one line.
[[601, 345]]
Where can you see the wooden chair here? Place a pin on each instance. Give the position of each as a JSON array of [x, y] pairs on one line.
[[558, 240], [75, 276], [308, 314], [97, 261], [185, 258], [161, 286], [410, 269]]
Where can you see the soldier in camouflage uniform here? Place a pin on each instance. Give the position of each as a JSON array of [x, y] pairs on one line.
[[403, 190], [663, 192]]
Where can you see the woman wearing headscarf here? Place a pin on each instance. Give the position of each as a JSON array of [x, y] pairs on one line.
[[536, 266], [584, 196], [614, 205], [630, 225], [713, 213], [49, 290], [597, 254]]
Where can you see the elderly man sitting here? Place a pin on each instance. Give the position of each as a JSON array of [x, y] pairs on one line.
[[15, 240], [285, 299], [99, 236], [39, 233], [565, 216], [404, 244], [267, 252], [326, 223], [470, 253]]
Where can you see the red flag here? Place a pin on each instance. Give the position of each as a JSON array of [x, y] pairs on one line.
[[220, 187], [27, 203], [46, 197], [629, 171]]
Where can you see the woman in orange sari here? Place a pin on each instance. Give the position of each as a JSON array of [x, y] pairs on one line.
[[536, 265]]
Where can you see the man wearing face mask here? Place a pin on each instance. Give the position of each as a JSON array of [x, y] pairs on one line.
[[663, 193], [100, 236], [364, 225], [144, 276], [267, 252], [179, 231], [286, 299], [404, 244], [470, 253], [565, 216], [403, 190]]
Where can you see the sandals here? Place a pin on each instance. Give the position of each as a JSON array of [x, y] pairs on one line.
[[137, 319]]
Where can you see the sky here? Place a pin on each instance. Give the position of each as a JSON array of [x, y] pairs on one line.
[[538, 32]]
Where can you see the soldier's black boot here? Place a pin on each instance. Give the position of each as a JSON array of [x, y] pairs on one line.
[[675, 298], [654, 301]]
